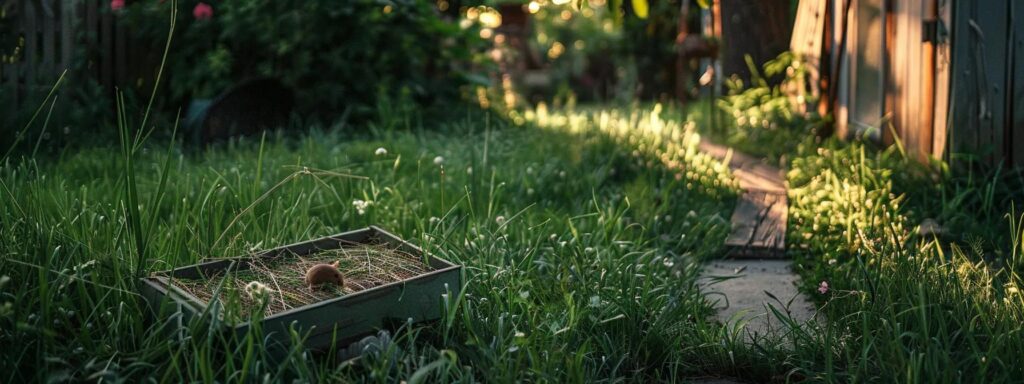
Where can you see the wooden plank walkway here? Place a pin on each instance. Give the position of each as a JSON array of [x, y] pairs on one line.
[[759, 225], [742, 290], [759, 220]]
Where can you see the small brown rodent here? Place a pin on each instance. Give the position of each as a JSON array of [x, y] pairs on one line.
[[321, 274]]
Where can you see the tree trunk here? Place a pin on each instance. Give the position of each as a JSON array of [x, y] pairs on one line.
[[760, 29]]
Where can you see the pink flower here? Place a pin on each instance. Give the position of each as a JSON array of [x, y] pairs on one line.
[[823, 287], [202, 11], [116, 5]]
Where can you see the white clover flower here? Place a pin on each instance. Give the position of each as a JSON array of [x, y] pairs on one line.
[[438, 160], [561, 174], [434, 219], [529, 191], [500, 220], [529, 170], [832, 261], [469, 170], [588, 250], [257, 289], [361, 206], [381, 152]]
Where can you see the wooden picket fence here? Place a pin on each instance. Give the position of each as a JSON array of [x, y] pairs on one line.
[[81, 36], [943, 74]]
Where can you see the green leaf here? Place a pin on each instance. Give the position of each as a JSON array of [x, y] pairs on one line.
[[640, 8], [704, 4], [420, 375]]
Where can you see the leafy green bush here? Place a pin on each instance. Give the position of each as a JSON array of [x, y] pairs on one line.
[[603, 50], [579, 47], [338, 56], [763, 119]]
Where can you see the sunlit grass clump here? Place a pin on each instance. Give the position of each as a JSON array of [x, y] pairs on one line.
[[907, 299], [657, 140]]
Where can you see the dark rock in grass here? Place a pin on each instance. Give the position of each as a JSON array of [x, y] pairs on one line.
[[367, 345]]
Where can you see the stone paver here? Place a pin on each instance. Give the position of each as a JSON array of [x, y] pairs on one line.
[[745, 297]]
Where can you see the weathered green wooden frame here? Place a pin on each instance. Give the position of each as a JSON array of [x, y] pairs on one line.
[[329, 322]]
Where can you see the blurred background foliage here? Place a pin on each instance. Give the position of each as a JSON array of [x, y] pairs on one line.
[[337, 56], [597, 50], [355, 60]]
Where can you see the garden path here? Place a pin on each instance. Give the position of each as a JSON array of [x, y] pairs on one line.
[[755, 274]]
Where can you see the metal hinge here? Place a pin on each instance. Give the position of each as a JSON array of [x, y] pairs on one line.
[[930, 31]]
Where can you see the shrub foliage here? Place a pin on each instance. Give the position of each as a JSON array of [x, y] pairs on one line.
[[338, 56]]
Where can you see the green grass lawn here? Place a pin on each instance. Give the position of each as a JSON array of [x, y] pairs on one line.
[[580, 241], [582, 235]]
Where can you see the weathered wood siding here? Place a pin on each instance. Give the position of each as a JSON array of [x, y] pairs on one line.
[[808, 47], [866, 47], [945, 76], [982, 75], [910, 81], [81, 36], [942, 11]]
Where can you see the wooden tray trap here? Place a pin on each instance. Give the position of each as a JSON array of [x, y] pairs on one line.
[[387, 281]]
